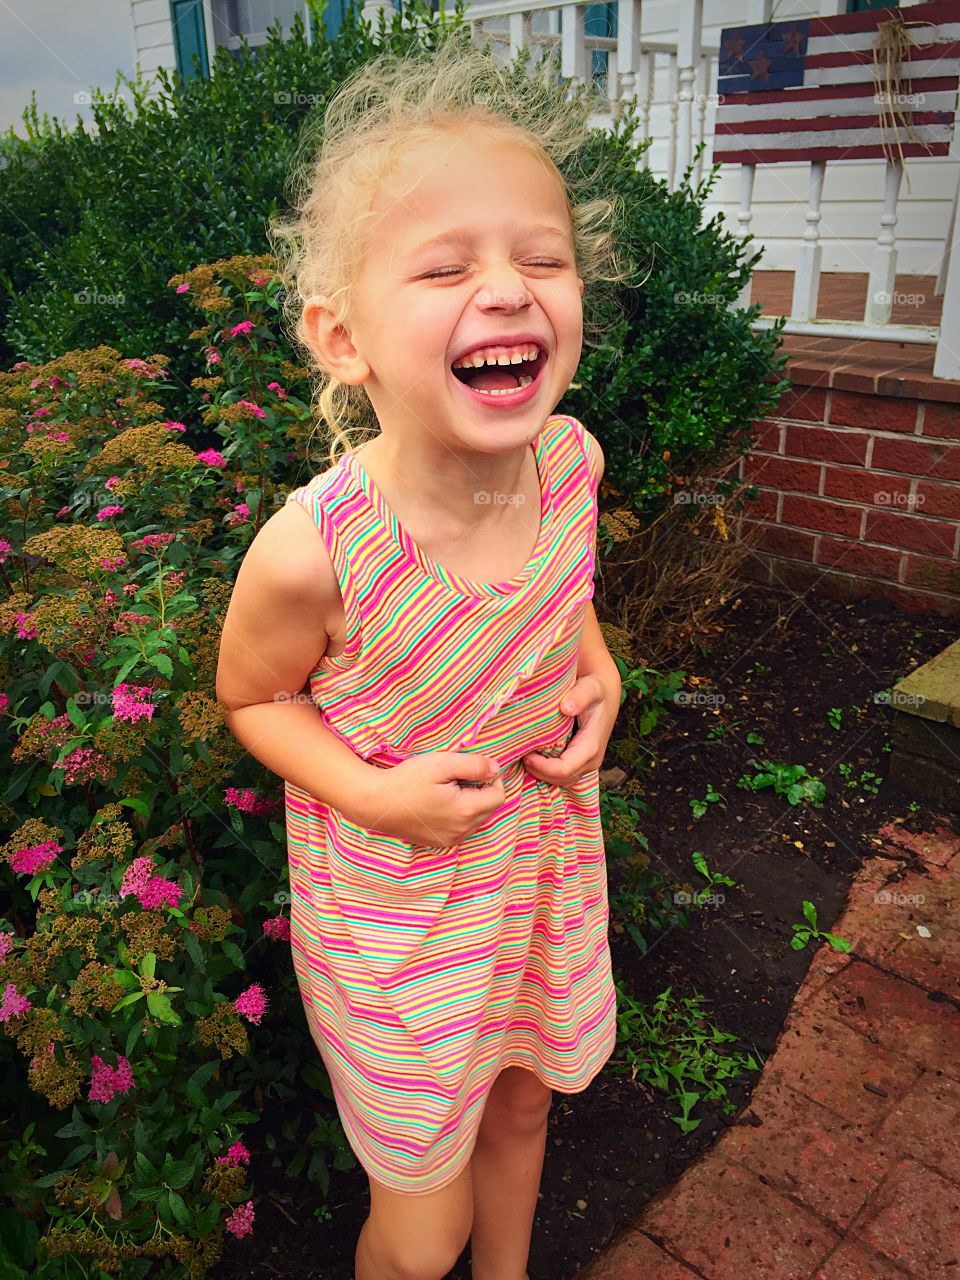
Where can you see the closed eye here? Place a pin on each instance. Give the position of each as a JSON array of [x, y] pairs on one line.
[[448, 271]]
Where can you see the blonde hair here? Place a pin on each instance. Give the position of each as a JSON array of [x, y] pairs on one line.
[[401, 99]]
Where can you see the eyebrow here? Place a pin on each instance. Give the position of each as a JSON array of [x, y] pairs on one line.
[[460, 235]]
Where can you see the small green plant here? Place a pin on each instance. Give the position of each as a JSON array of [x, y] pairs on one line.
[[712, 878], [655, 690], [642, 898], [699, 807], [760, 669], [790, 780], [672, 1046], [834, 715], [913, 807], [802, 933], [755, 739], [868, 780]]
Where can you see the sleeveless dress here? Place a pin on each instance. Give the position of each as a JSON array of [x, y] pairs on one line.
[[424, 971]]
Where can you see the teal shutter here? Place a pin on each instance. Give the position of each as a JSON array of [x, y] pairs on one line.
[[189, 37], [599, 20]]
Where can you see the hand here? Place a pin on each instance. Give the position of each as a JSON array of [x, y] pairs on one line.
[[595, 702], [436, 799]]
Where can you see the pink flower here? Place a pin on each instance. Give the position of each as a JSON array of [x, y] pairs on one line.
[[240, 1222], [105, 1081], [212, 458], [252, 1003], [62, 512], [183, 288], [109, 484], [105, 513], [150, 540], [25, 629], [6, 944], [254, 408], [128, 703], [278, 928], [150, 891], [276, 387], [5, 548], [245, 326], [37, 857], [213, 355], [247, 800], [112, 563], [239, 514], [4, 702], [237, 1154], [83, 764], [14, 1004], [174, 426], [139, 366]]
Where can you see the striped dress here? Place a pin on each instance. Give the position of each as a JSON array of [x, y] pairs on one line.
[[424, 971]]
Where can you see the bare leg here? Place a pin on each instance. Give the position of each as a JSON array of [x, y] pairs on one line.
[[415, 1237], [507, 1163]]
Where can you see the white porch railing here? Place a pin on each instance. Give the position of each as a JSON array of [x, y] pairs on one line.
[[628, 65]]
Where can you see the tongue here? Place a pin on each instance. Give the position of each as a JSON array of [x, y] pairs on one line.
[[493, 378]]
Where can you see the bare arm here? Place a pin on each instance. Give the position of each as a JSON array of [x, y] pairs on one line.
[[273, 635]]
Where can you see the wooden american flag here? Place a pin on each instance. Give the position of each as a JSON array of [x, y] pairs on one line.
[[806, 89]]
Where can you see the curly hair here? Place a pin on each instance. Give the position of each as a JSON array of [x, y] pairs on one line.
[[389, 104]]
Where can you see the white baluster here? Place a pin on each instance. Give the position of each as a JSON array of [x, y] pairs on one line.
[[688, 56], [573, 52], [806, 280], [703, 86], [946, 363], [613, 80], [672, 84], [520, 29], [883, 273], [629, 52], [645, 98], [744, 218]]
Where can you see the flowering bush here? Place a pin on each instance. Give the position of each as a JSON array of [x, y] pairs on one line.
[[139, 954]]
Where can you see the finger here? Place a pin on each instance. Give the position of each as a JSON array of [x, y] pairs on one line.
[[586, 692], [469, 766], [577, 758]]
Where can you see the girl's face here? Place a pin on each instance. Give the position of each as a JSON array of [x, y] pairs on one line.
[[469, 246]]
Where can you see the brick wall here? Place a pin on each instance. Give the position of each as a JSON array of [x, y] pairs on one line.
[[859, 496]]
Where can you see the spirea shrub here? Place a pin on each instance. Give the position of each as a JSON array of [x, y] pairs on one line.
[[146, 995]]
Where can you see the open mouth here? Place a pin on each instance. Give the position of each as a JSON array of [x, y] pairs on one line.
[[507, 381]]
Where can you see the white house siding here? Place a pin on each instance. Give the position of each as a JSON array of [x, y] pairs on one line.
[[152, 35]]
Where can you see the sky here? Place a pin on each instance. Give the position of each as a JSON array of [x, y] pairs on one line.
[[60, 48]]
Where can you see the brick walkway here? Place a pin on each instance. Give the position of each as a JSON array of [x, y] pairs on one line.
[[846, 1163]]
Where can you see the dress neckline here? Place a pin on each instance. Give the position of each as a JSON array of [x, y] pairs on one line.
[[456, 581]]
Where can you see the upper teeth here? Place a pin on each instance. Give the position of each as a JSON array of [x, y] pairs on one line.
[[496, 355]]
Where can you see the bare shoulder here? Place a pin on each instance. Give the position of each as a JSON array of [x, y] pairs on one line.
[[284, 603]]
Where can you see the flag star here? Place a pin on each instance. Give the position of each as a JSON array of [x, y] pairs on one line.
[[734, 47], [793, 40], [759, 66]]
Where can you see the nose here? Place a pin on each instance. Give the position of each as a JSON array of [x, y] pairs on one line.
[[504, 289]]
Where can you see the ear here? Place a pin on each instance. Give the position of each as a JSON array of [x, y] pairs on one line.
[[580, 283], [330, 342]]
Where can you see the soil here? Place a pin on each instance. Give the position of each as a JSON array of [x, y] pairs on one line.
[[781, 664]]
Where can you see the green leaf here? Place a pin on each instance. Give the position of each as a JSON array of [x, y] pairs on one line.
[[148, 965], [132, 998], [160, 1007], [233, 952], [136, 803], [810, 911], [700, 862], [838, 944]]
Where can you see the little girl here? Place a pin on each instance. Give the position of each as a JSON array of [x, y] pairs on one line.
[[433, 590]]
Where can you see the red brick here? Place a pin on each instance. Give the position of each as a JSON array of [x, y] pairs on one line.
[[767, 435], [827, 444], [855, 484], [939, 461], [938, 500], [918, 602], [853, 1261], [896, 1016], [635, 1257], [722, 1220], [937, 848], [878, 413], [915, 1222], [805, 404], [778, 541], [822, 582], [763, 506], [824, 517], [783, 473], [830, 1062], [935, 575], [912, 533], [860, 557], [941, 420], [801, 1149], [924, 1125]]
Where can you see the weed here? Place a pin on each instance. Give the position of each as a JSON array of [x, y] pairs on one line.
[[790, 780], [802, 933], [699, 807]]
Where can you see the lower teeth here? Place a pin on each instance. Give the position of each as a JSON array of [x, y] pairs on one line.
[[505, 391]]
